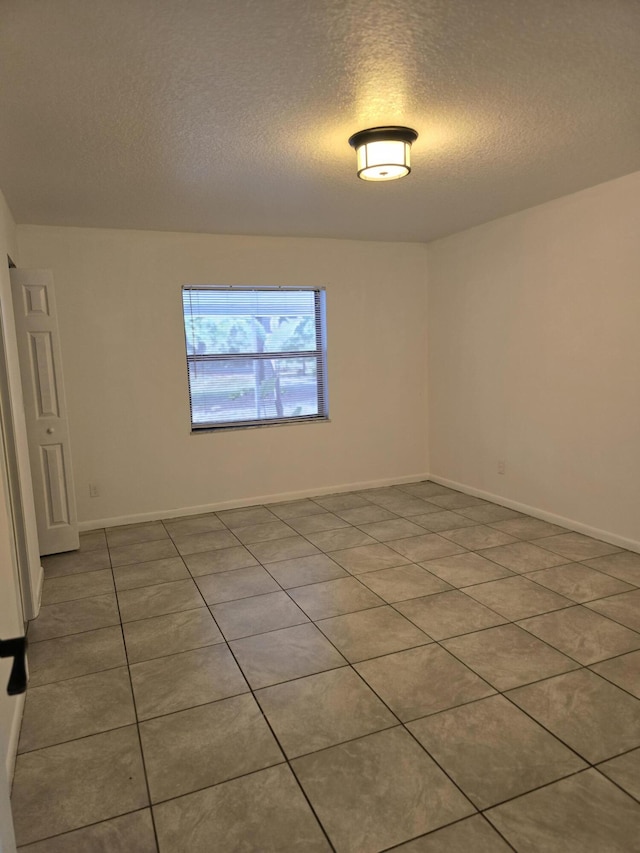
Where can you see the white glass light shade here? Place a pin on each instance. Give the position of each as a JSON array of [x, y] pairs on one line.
[[383, 153]]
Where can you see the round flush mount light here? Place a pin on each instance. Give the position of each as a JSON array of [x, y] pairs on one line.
[[383, 153]]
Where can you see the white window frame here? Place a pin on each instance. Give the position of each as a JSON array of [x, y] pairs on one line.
[[319, 354]]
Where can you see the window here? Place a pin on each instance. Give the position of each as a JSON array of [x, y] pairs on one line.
[[255, 355]]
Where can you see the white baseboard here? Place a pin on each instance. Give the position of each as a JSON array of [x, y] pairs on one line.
[[14, 735], [571, 524], [117, 521]]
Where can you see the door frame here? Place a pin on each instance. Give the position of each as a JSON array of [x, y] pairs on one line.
[[16, 465], [16, 580]]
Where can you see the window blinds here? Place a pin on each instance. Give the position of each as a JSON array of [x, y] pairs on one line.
[[255, 355]]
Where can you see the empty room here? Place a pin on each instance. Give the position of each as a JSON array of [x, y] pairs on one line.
[[320, 426]]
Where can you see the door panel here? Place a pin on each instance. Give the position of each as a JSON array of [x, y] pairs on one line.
[[44, 377], [45, 409]]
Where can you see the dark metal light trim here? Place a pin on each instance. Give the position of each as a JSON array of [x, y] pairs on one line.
[[393, 133], [370, 168]]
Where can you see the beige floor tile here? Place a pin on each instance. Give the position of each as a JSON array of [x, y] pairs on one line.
[[131, 832], [157, 600], [322, 710], [472, 835], [285, 654], [368, 558], [578, 582], [425, 489], [407, 506], [582, 814], [202, 746], [378, 791], [449, 614], [336, 503], [264, 811], [366, 514], [223, 560], [466, 569], [403, 582], [582, 634], [245, 516], [79, 654], [523, 557], [525, 527], [93, 540], [212, 540], [456, 500], [507, 656], [399, 528], [304, 570], [142, 552], [589, 714], [136, 575], [493, 751], [75, 708], [193, 524], [170, 634], [443, 520], [174, 683], [380, 494], [71, 587], [74, 617], [427, 547], [296, 509], [479, 536], [337, 540], [263, 532], [72, 562], [333, 598], [257, 614], [517, 597], [434, 659], [624, 565], [624, 608], [576, 546], [623, 671], [282, 549], [371, 633], [240, 583], [131, 534], [422, 681], [624, 771], [317, 523], [488, 513], [75, 784]]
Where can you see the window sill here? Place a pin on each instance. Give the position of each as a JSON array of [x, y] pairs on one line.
[[209, 429]]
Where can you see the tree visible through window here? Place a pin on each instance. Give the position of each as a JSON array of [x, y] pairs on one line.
[[255, 355]]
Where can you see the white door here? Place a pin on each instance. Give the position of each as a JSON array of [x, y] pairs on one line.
[[45, 409]]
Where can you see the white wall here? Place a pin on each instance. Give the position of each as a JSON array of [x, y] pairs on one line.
[[534, 357], [11, 623], [119, 305]]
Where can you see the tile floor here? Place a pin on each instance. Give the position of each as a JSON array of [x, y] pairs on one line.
[[405, 668]]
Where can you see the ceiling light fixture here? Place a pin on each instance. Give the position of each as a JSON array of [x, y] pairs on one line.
[[383, 153]]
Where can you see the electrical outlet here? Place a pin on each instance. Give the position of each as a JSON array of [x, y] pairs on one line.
[[502, 467], [94, 491]]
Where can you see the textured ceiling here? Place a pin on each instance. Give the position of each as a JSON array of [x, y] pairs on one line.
[[232, 116]]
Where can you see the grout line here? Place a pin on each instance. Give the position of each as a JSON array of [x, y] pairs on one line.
[[613, 781], [41, 841], [135, 711], [352, 665], [280, 747]]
